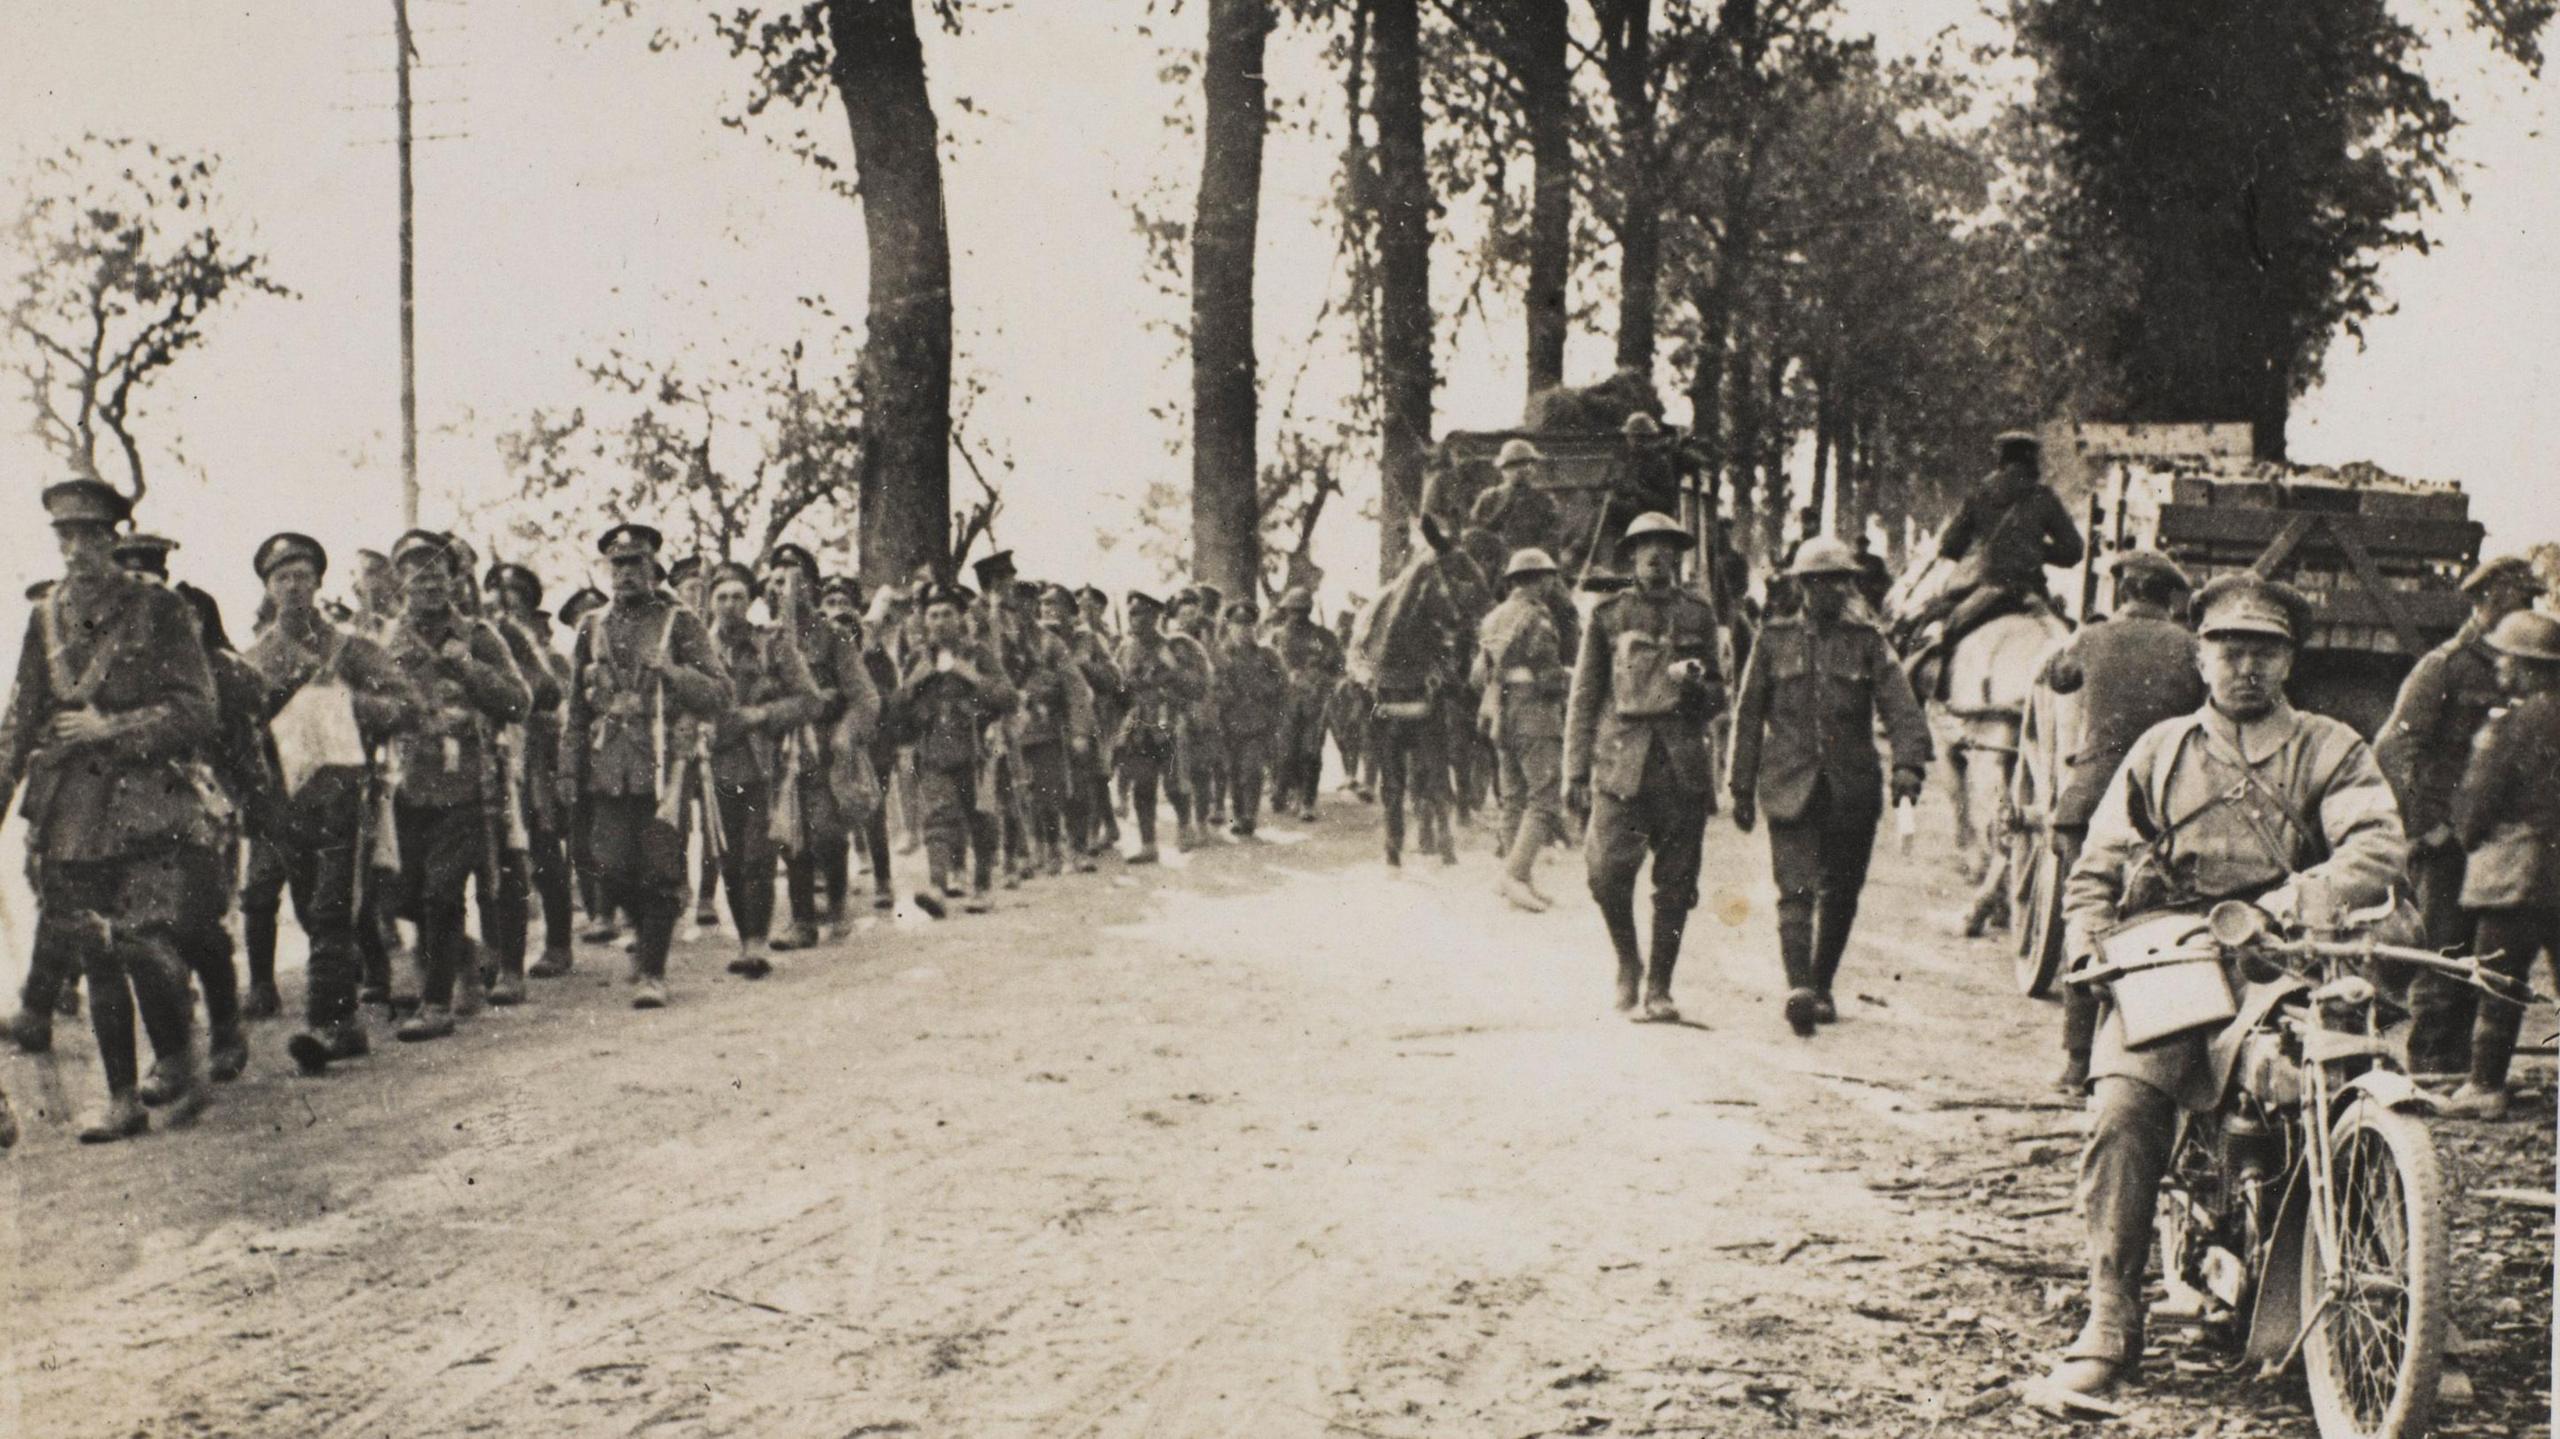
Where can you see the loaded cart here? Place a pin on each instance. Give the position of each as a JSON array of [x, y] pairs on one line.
[[2381, 556]]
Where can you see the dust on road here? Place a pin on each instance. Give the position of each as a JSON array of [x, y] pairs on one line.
[[1263, 1143]]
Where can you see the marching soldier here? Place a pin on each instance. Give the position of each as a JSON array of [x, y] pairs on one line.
[[2246, 799], [494, 966], [586, 600], [1093, 826], [467, 686], [1645, 688], [1521, 665], [1313, 659], [526, 627], [643, 668], [236, 756], [772, 699], [2442, 707], [333, 696], [2132, 670], [1814, 691], [145, 555], [1253, 705], [1514, 511], [1161, 686], [1057, 731], [112, 700], [1195, 726], [825, 756], [840, 599], [955, 690]]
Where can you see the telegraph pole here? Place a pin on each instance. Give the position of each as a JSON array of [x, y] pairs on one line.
[[408, 280]]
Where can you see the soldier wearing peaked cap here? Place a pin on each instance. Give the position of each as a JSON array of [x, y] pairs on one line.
[[826, 758], [144, 554], [1253, 704], [113, 698], [533, 755], [2132, 670], [2441, 709], [1816, 688], [640, 669], [333, 699], [771, 696], [2245, 799], [952, 691], [1162, 686], [468, 686]]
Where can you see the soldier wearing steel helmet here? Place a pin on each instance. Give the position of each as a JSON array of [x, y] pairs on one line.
[[2422, 748], [1645, 689], [2131, 670], [1514, 508], [1313, 658], [1523, 666], [2246, 799], [1817, 685], [2507, 815]]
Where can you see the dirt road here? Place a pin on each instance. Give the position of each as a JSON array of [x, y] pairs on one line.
[[1265, 1143]]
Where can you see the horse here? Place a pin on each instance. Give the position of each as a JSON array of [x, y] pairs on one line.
[[1975, 712], [1409, 650]]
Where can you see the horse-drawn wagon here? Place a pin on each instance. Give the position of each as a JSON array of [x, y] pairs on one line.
[[2382, 558]]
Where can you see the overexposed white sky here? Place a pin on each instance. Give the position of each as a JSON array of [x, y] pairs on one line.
[[593, 195]]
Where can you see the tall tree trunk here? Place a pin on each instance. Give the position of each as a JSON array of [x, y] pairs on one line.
[[1742, 442], [1706, 381], [1628, 32], [1226, 545], [1547, 90], [1778, 500], [1404, 275], [1826, 406], [903, 481]]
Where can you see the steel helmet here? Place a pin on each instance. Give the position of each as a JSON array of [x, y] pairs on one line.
[[1823, 555], [1519, 452], [1655, 527], [1531, 561], [2528, 635]]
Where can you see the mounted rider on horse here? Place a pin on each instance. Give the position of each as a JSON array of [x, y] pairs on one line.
[[2011, 527]]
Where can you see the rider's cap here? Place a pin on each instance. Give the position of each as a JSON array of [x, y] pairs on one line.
[[2150, 565], [1531, 561], [1654, 527], [85, 502], [585, 601], [141, 550], [995, 569], [2505, 569], [419, 548], [2527, 635], [1519, 452], [793, 555], [278, 551], [1823, 555], [1639, 425], [2250, 603], [2018, 447], [630, 542]]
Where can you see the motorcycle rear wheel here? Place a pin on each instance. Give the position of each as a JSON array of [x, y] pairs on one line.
[[2375, 1355]]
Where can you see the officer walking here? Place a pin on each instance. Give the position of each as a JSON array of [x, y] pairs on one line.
[[1522, 666], [1313, 659], [2422, 748], [1817, 685], [113, 695], [1253, 705], [325, 685], [2245, 799], [1161, 686], [771, 696], [641, 668], [1645, 688], [2131, 670], [954, 689]]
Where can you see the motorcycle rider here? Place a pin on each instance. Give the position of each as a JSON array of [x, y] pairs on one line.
[[2247, 799]]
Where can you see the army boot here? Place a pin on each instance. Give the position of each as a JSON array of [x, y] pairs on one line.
[[122, 1117], [190, 1091], [1668, 925], [432, 1021], [751, 962], [508, 989], [316, 1047], [228, 1056], [556, 961], [31, 1029], [799, 934]]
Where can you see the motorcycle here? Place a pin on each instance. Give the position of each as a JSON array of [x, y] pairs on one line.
[[2306, 1214]]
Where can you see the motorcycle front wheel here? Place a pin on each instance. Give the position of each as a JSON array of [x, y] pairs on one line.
[[2376, 1352]]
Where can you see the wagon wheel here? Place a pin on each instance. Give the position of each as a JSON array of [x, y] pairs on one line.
[[2037, 919]]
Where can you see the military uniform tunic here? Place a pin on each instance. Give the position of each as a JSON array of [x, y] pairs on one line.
[[2441, 709]]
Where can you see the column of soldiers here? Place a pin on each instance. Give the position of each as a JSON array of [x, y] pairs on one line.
[[421, 769]]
